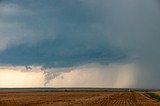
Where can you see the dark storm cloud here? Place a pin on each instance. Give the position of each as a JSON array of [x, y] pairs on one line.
[[74, 31], [59, 54], [60, 33]]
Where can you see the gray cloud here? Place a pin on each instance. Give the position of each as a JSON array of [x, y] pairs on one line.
[[70, 33], [58, 34], [135, 26]]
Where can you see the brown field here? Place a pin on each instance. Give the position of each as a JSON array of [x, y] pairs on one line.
[[76, 99], [158, 93]]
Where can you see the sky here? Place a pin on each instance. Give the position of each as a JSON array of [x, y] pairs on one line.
[[80, 43]]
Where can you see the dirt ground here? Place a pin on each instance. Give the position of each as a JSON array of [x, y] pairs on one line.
[[158, 93], [76, 99]]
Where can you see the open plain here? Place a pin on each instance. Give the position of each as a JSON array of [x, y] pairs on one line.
[[29, 98], [158, 93]]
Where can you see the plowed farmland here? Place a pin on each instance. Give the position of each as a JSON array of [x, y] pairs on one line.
[[76, 99]]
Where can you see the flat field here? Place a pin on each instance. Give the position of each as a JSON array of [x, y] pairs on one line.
[[29, 98], [158, 93]]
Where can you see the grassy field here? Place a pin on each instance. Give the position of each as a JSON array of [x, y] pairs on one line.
[[154, 95]]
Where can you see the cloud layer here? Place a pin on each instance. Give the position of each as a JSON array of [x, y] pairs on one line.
[[58, 34], [64, 34]]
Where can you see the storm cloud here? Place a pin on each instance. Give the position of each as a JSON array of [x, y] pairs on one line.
[[57, 34], [73, 33]]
